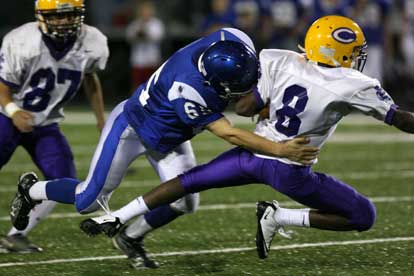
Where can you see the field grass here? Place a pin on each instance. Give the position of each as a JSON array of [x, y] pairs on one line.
[[219, 239]]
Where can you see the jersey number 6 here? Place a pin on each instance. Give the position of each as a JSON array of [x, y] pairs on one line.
[[294, 102]]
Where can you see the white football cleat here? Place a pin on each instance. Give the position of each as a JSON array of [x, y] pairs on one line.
[[267, 227]]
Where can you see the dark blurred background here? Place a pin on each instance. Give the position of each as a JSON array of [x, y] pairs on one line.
[[143, 33]]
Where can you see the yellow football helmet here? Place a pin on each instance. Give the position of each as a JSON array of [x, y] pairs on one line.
[[336, 41], [60, 19]]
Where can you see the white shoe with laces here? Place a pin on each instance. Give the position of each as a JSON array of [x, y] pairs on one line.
[[267, 227]]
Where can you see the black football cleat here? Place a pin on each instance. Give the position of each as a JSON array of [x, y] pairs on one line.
[[107, 224], [22, 203], [135, 251], [18, 243]]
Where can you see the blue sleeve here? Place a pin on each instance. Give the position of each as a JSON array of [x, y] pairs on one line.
[[195, 105], [193, 114]]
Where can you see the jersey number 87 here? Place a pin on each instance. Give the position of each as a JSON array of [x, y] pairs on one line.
[[38, 99]]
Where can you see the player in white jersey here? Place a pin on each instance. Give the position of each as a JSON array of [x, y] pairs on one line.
[[308, 95], [42, 65]]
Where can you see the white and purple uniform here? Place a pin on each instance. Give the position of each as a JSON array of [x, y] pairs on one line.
[[42, 81], [305, 100], [158, 121]]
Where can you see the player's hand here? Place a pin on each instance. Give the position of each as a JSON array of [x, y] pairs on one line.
[[298, 151], [23, 121]]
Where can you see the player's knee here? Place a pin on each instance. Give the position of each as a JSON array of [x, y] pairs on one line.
[[365, 215], [85, 202], [187, 204], [83, 209]]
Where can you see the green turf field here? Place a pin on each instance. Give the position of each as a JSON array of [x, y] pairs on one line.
[[219, 239]]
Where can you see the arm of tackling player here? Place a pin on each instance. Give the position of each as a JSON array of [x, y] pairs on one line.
[[295, 150]]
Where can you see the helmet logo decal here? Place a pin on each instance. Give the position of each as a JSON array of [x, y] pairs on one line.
[[344, 35]]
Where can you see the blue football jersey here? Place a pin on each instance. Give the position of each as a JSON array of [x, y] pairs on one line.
[[176, 103]]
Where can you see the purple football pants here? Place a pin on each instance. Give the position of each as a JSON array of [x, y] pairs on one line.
[[47, 147], [315, 190]]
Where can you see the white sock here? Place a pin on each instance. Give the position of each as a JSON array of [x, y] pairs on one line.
[[38, 191], [135, 208], [39, 212], [292, 217], [138, 228]]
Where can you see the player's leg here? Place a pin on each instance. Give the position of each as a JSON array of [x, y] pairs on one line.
[[10, 138], [168, 167], [51, 153], [336, 205], [130, 239], [99, 183], [116, 150], [224, 171]]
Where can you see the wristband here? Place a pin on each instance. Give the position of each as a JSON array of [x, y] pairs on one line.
[[11, 108]]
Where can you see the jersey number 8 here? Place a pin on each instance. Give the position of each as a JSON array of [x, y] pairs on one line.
[[294, 102]]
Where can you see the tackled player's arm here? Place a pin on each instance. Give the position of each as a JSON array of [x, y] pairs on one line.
[[403, 120], [93, 91], [22, 119], [295, 150]]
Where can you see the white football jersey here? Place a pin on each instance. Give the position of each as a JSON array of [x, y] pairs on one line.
[[309, 100], [42, 81]]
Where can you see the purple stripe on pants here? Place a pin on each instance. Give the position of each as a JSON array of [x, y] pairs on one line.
[[316, 190]]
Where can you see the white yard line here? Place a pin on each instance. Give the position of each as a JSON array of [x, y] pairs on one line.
[[215, 251], [382, 199]]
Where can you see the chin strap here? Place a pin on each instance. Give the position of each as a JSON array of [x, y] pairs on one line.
[[301, 48]]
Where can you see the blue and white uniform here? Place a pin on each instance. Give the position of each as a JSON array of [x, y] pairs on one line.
[[175, 104]]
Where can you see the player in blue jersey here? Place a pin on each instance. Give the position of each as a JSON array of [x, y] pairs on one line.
[[184, 96], [307, 95], [42, 66]]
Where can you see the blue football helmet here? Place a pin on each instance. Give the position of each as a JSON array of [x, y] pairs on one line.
[[230, 67]]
